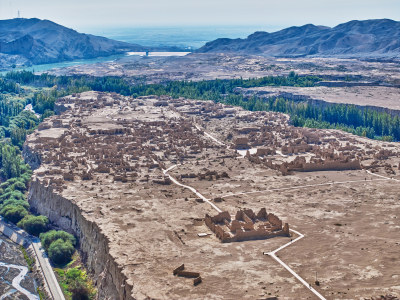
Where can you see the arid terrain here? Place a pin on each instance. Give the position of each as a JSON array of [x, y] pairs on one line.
[[134, 178], [373, 96], [199, 66]]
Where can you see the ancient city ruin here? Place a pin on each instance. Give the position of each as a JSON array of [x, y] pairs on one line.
[[246, 226], [106, 170]]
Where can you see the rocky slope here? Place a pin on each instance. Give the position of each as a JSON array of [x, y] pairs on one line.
[[354, 39], [38, 41]]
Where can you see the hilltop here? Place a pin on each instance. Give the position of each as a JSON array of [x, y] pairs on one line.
[[35, 41], [355, 39]]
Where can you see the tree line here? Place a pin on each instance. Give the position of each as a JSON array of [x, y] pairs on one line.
[[355, 119], [15, 175]]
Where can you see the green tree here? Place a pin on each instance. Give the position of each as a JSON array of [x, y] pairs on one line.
[[34, 225], [60, 252], [13, 213], [53, 235], [10, 162]]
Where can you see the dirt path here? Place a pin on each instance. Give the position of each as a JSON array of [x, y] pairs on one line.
[[16, 282]]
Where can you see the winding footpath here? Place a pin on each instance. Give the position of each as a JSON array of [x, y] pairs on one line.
[[381, 176], [16, 283], [190, 188], [210, 136], [51, 284], [305, 283], [273, 254]]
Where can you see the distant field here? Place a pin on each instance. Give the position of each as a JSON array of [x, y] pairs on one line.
[[388, 97]]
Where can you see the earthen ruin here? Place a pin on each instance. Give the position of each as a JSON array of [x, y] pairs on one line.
[[246, 226], [99, 174]]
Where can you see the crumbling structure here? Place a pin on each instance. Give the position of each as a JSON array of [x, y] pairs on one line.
[[246, 226]]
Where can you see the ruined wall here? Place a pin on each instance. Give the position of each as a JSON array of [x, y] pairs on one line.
[[243, 227], [111, 283], [330, 166]]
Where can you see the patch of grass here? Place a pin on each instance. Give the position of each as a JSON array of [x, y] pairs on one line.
[[41, 294], [74, 281], [29, 260]]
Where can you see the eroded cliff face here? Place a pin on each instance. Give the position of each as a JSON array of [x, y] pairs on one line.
[[31, 157], [111, 283]]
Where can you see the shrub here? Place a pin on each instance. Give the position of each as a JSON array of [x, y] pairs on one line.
[[26, 177], [79, 290], [19, 186], [9, 182], [53, 235], [34, 224], [78, 285], [16, 195], [60, 252], [14, 213], [15, 202]]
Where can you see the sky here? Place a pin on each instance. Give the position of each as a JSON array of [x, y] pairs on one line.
[[276, 14]]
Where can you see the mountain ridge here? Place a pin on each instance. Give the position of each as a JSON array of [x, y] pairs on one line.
[[36, 41], [378, 38]]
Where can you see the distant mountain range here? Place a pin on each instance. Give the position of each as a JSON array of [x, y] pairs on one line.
[[354, 39], [35, 41]]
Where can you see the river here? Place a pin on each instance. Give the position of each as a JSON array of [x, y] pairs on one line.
[[46, 67], [15, 280]]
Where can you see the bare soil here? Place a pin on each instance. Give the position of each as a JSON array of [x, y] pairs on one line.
[[350, 218]]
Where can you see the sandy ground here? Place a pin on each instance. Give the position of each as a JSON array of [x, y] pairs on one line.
[[388, 97], [351, 228], [210, 66]]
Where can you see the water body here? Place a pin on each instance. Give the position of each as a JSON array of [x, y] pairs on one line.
[[188, 37], [15, 280], [184, 38], [46, 67]]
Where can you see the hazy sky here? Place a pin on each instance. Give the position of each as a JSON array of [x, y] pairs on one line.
[[82, 14]]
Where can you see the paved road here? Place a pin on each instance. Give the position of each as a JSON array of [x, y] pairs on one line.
[[50, 278]]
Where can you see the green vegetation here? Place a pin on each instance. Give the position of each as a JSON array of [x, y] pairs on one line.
[[30, 261], [60, 252], [42, 295], [13, 204], [15, 124], [357, 120], [17, 89], [13, 213], [75, 283], [59, 246], [10, 162], [53, 235], [34, 225]]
